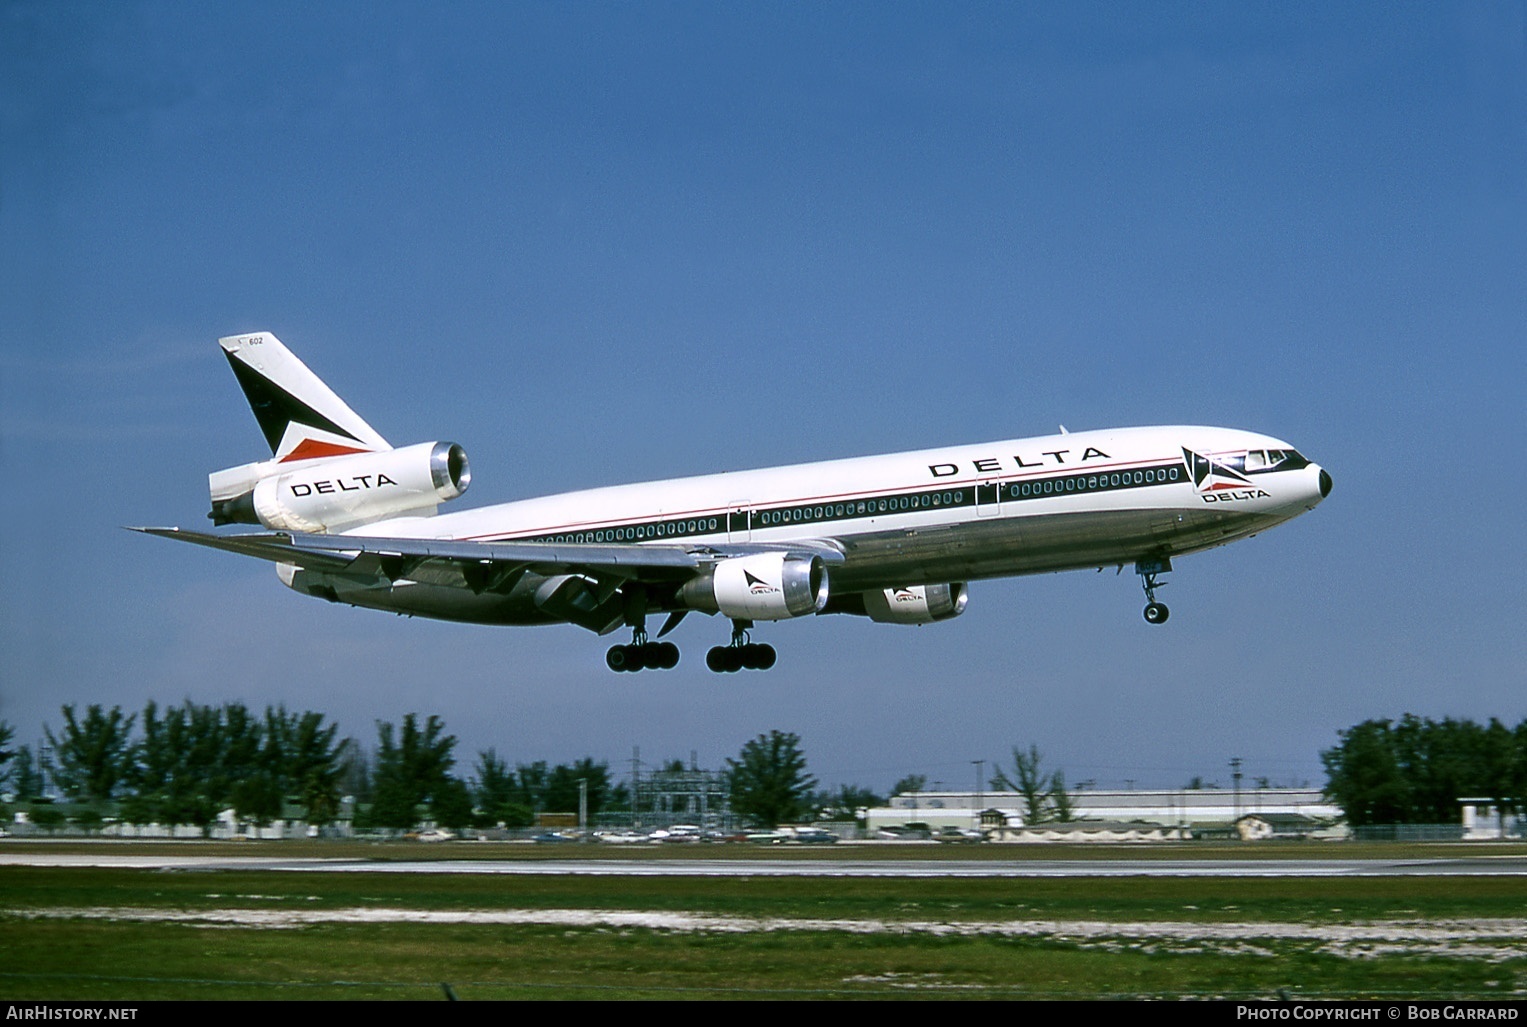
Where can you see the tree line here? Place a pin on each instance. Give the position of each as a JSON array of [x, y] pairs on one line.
[[185, 764], [1414, 770]]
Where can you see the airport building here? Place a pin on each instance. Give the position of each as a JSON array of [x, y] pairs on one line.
[[1124, 815]]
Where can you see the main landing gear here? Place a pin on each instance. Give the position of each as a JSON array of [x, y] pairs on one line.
[[741, 654], [1155, 613], [642, 654]]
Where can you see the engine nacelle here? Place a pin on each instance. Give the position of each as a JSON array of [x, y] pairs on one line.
[[763, 586], [346, 491], [919, 604]]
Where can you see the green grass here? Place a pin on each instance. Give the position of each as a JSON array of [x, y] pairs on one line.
[[126, 959], [57, 960], [1204, 900]]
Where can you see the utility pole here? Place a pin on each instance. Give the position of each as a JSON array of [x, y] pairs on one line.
[[583, 809], [636, 776], [1235, 775], [49, 785], [980, 789]]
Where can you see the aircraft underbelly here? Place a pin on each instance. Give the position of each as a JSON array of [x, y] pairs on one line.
[[423, 599], [1034, 545], [974, 550]]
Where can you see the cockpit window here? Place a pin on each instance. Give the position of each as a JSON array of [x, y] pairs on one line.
[[1265, 459], [1273, 459]]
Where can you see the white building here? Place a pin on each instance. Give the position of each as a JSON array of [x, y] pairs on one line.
[[1484, 821], [1175, 808]]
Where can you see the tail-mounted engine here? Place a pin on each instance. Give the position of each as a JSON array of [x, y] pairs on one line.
[[763, 586], [340, 492], [919, 604]]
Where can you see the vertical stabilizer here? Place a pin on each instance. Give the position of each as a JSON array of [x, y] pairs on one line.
[[301, 417]]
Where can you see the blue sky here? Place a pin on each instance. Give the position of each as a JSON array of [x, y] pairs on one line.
[[609, 242]]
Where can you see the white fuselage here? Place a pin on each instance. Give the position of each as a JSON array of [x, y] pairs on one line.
[[1059, 502]]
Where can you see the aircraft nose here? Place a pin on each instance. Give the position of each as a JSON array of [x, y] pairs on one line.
[[1325, 483]]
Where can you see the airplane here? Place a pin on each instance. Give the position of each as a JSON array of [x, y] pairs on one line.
[[895, 538]]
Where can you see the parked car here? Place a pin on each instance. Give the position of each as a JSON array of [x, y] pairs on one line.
[[682, 833], [768, 837], [813, 836], [959, 835], [553, 838]]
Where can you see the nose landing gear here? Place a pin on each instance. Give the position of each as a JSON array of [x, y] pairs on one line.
[[742, 654], [1155, 613]]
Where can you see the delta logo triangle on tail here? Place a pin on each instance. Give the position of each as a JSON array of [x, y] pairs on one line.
[[276, 408], [312, 449], [1210, 475], [300, 417]]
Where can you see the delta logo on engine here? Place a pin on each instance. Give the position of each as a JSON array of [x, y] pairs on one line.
[[758, 586]]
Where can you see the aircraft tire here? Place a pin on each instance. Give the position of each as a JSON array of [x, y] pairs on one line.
[[728, 659], [1156, 613], [621, 658], [757, 657]]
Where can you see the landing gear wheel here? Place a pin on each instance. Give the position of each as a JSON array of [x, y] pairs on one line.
[[1150, 572], [728, 659], [641, 655], [741, 654], [765, 658], [624, 658]]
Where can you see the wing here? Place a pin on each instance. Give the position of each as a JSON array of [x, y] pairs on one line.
[[414, 558], [603, 572]]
